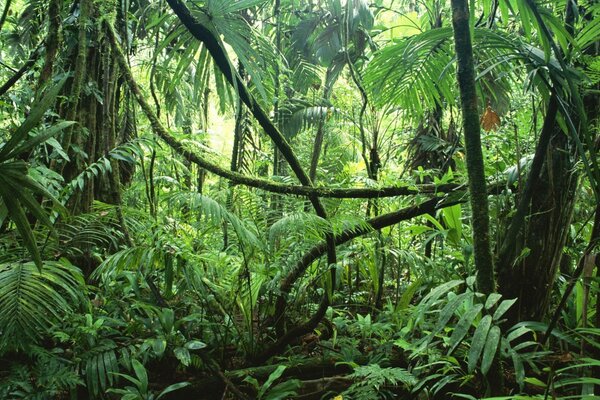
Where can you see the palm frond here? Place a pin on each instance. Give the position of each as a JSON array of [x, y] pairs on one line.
[[216, 213], [305, 225], [101, 367], [31, 301], [416, 73], [16, 186], [140, 258], [253, 50], [296, 118]]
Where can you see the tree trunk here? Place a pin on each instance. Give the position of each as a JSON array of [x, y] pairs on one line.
[[52, 41], [528, 269], [475, 170], [530, 272]]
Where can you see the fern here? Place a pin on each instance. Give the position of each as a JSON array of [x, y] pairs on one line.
[[299, 224], [416, 73], [216, 214], [370, 381], [124, 152], [298, 115], [142, 258], [48, 378], [31, 301]]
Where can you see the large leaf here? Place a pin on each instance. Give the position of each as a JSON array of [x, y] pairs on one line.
[[490, 349], [503, 308], [270, 380], [32, 301], [38, 139], [478, 341], [172, 388], [450, 309], [35, 116], [463, 326], [14, 209]]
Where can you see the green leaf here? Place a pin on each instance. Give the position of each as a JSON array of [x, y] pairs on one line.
[[478, 342], [463, 326], [41, 138], [195, 345], [37, 112], [439, 291], [99, 361], [16, 213], [525, 17], [408, 294], [91, 373], [159, 346], [32, 205], [452, 216], [490, 349], [272, 378], [142, 375], [519, 368], [520, 331], [535, 382], [492, 300], [131, 379], [183, 355], [503, 308], [450, 308], [172, 388], [284, 390]]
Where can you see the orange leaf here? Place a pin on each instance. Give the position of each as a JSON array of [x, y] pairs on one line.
[[490, 121]]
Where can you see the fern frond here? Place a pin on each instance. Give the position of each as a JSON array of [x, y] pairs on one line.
[[215, 213], [31, 301], [305, 117], [130, 259], [306, 225], [416, 73]]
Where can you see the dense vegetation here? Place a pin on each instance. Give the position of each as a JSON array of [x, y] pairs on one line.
[[299, 199]]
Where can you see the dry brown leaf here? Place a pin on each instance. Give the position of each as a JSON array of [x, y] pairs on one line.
[[490, 121]]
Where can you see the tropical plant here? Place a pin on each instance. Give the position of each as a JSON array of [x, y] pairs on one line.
[[273, 200], [17, 188], [141, 391], [34, 300]]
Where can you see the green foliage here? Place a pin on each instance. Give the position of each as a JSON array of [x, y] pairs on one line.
[[50, 376], [269, 391], [185, 269], [372, 382], [140, 390], [17, 188], [33, 301]]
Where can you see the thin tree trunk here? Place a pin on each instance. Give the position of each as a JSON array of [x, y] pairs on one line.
[[238, 137], [484, 263], [80, 69], [51, 42], [5, 13], [279, 167], [475, 169]]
